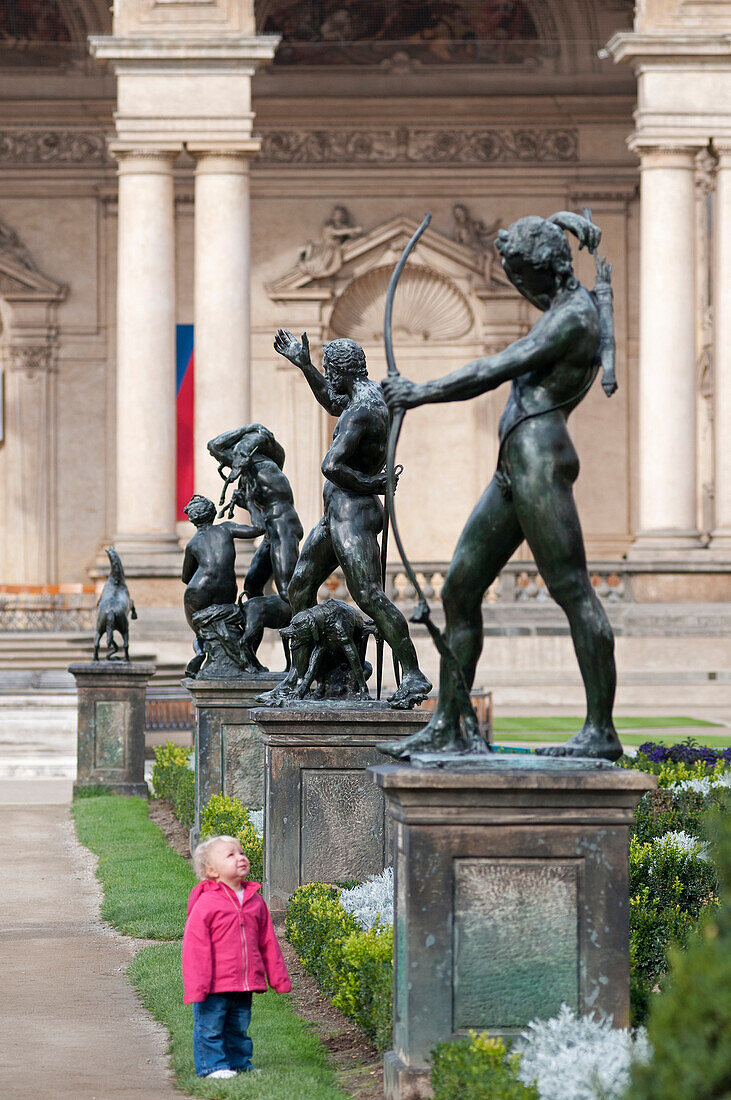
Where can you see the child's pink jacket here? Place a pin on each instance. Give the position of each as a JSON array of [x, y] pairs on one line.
[[230, 947]]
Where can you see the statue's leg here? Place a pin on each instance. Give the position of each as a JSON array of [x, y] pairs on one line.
[[490, 538], [310, 675], [316, 562], [350, 651], [284, 557], [97, 640], [112, 646], [259, 571], [359, 556], [548, 516]]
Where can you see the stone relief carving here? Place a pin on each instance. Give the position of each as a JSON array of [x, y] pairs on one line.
[[53, 147], [12, 246], [480, 238], [430, 307], [30, 359], [322, 258], [417, 145]]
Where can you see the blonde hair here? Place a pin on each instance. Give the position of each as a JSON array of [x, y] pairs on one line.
[[201, 855]]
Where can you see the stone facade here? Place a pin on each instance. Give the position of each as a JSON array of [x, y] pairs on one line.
[[185, 131]]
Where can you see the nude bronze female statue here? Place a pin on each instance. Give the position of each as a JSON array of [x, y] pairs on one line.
[[530, 497]]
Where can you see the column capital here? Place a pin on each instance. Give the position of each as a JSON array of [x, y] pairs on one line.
[[32, 359], [722, 151], [211, 156], [659, 153], [125, 152]]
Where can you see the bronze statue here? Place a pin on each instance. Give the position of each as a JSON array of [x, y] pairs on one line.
[[530, 497], [347, 534], [210, 596], [114, 609], [328, 643], [255, 460]]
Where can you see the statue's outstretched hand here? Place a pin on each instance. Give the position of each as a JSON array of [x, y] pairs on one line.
[[400, 393], [291, 348]]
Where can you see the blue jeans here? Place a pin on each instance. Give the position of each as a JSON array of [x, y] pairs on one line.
[[220, 1040]]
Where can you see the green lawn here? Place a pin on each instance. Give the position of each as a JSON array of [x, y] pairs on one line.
[[146, 888], [569, 725], [146, 884], [552, 730], [286, 1049]]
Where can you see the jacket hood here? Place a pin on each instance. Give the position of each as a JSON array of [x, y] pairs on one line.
[[212, 886]]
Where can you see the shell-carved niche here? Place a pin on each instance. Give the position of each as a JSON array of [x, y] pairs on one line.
[[427, 306]]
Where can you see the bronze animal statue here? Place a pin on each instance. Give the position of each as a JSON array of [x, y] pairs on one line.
[[115, 607], [328, 643]]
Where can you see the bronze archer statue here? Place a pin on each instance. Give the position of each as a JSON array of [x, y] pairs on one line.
[[530, 497]]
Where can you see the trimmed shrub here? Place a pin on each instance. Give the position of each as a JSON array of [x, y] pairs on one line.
[[171, 761], [678, 809], [317, 926], [365, 983], [353, 968], [226, 816], [223, 816], [690, 1022], [671, 883], [184, 797], [475, 1068]]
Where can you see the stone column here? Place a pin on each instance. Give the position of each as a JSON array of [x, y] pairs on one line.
[[667, 389], [721, 534], [222, 312], [30, 445], [146, 355]]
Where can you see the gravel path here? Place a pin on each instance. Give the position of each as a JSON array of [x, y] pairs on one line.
[[71, 1027]]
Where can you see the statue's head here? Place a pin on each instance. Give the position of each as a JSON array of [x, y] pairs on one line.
[[459, 211], [536, 256], [343, 361], [200, 510]]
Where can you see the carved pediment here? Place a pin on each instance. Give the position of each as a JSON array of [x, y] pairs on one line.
[[20, 279], [448, 293]]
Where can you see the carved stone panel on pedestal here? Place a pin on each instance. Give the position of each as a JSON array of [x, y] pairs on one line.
[[328, 851], [516, 952]]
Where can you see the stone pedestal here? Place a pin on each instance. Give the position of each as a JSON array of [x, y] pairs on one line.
[[111, 725], [512, 898], [324, 821], [229, 755]]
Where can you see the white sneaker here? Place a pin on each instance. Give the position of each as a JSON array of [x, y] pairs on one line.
[[222, 1074]]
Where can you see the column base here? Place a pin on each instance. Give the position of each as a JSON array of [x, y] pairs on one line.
[[720, 545], [402, 1082], [148, 552], [664, 545]]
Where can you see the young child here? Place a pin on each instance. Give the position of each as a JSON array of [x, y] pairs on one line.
[[229, 951]]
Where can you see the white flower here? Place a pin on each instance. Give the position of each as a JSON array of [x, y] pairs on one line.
[[705, 785], [256, 817], [574, 1058], [683, 843], [370, 899]]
